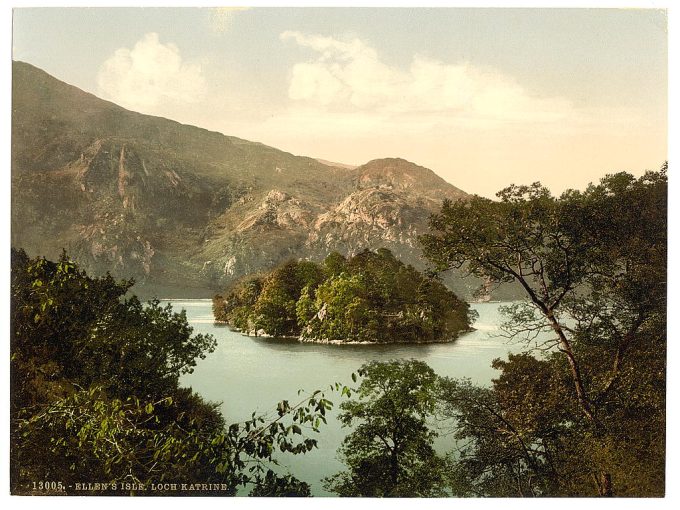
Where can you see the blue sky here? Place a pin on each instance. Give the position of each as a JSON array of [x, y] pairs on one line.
[[484, 97]]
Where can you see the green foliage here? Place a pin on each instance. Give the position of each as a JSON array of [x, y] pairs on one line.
[[276, 486], [525, 437], [334, 264], [371, 297], [390, 453], [236, 308], [341, 311], [96, 396], [94, 334], [90, 436], [591, 415], [513, 437]]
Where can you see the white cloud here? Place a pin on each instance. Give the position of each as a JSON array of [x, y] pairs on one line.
[[150, 75], [478, 127], [349, 75]]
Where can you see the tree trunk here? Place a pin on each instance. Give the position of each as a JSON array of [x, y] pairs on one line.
[[394, 469], [604, 485], [565, 347]]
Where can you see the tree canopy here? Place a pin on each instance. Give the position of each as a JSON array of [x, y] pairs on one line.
[[593, 268], [371, 297], [96, 396], [390, 452]]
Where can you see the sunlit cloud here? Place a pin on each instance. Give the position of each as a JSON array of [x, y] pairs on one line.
[[342, 102], [350, 75], [151, 74], [475, 125]]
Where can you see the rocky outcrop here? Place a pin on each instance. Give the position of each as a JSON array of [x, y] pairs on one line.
[[278, 209]]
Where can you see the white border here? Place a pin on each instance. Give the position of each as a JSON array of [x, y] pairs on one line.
[[672, 498]]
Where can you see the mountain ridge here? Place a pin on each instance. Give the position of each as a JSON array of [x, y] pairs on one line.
[[180, 207]]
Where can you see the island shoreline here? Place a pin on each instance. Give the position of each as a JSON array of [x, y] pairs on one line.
[[302, 340]]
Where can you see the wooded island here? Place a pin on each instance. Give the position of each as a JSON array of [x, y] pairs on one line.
[[371, 297]]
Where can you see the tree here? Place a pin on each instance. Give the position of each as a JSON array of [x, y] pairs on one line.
[[340, 310], [522, 437], [515, 437], [334, 264], [268, 302], [593, 267], [96, 395], [90, 436], [371, 297], [390, 452], [93, 333]]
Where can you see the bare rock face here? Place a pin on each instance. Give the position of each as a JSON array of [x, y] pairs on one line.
[[367, 215], [400, 175], [180, 208], [278, 209]]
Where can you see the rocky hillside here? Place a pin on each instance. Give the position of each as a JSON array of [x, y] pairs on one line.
[[184, 210]]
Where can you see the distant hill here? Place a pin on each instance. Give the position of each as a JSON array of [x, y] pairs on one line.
[[338, 165], [185, 210]]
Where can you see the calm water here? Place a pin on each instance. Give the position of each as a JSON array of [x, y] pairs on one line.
[[249, 374]]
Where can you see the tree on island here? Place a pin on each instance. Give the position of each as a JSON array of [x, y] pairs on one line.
[[593, 267], [371, 297]]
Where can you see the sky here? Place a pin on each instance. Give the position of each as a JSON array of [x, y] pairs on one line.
[[484, 97]]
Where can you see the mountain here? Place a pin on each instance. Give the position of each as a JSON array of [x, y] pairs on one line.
[[185, 210]]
